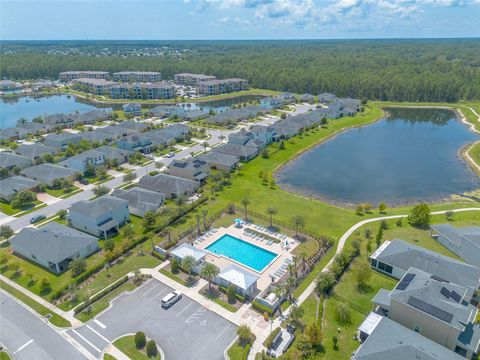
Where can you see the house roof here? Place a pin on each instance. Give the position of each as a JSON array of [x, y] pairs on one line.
[[10, 186], [97, 207], [167, 184], [47, 172], [441, 300], [86, 155], [214, 157], [53, 242], [183, 250], [35, 150], [190, 163], [456, 235], [111, 152], [235, 115], [390, 340], [142, 199], [62, 137], [8, 159], [193, 114], [403, 255], [237, 150], [133, 125], [239, 277]]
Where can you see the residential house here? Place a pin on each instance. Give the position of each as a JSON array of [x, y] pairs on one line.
[[194, 115], [49, 173], [115, 154], [60, 120], [132, 125], [134, 109], [167, 110], [34, 128], [463, 242], [68, 76], [93, 86], [220, 161], [10, 161], [53, 245], [137, 142], [10, 186], [216, 87], [176, 131], [81, 161], [326, 98], [140, 200], [106, 134], [397, 256], [100, 217], [42, 85], [235, 115], [287, 98], [35, 151], [307, 98], [185, 249], [171, 186], [244, 281], [91, 117], [134, 76], [244, 153], [158, 90], [62, 140], [435, 308], [390, 340], [329, 112], [192, 79], [272, 102], [191, 168], [9, 85]]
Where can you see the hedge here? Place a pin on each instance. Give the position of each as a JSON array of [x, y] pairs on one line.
[[100, 294], [261, 308], [268, 341], [239, 297]]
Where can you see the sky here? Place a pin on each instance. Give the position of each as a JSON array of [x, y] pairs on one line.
[[237, 19]]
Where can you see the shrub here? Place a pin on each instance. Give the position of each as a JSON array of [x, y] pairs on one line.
[[78, 266], [174, 265], [231, 294], [140, 340], [100, 294], [420, 216], [6, 232], [268, 341], [343, 314], [152, 348], [261, 308]]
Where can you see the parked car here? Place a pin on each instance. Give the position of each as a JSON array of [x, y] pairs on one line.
[[37, 218], [84, 181], [171, 299], [170, 155]]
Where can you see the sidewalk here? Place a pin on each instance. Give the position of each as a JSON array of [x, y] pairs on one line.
[[67, 315]]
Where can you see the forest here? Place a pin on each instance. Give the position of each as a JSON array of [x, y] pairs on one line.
[[397, 70]]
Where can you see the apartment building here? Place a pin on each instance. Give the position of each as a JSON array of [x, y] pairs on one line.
[[223, 86], [68, 76], [93, 86], [192, 79], [137, 76], [150, 91]]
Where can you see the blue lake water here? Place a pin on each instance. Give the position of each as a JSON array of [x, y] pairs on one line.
[[243, 252], [11, 110], [413, 155]]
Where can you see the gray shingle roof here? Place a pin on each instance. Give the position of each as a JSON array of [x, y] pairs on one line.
[[392, 341], [141, 199], [62, 137], [47, 172], [403, 255], [97, 207], [236, 150], [8, 159], [214, 157], [53, 242], [455, 235], [35, 150], [168, 184], [133, 125], [111, 152], [10, 186]]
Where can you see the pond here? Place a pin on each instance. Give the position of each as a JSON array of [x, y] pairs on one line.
[[411, 156], [13, 109], [220, 105]]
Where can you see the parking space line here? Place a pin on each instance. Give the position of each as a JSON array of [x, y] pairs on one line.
[[195, 315], [97, 333], [160, 293], [223, 332], [185, 308], [88, 342], [150, 290], [24, 346], [103, 326]]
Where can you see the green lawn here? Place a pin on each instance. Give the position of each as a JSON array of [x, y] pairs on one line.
[[54, 319], [238, 352], [7, 208], [109, 357], [4, 356], [61, 192], [126, 345], [475, 152]]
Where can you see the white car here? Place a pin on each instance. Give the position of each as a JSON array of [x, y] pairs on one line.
[[171, 299]]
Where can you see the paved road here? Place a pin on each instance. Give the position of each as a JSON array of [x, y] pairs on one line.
[[27, 337], [185, 331]]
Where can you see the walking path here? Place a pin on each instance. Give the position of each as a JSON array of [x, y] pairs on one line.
[[257, 346]]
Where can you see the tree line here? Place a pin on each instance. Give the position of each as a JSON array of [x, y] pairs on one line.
[[395, 70]]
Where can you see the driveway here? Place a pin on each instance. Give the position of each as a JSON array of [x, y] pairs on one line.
[[185, 331], [28, 337]]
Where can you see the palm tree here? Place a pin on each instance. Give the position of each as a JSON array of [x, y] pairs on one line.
[[205, 146], [245, 203], [197, 218], [298, 223], [302, 257], [204, 213], [271, 211], [167, 231], [188, 263], [221, 138], [209, 272]]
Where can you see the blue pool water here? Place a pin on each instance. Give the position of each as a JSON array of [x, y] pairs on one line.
[[243, 252]]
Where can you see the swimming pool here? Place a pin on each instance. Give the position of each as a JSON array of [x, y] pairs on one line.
[[243, 252]]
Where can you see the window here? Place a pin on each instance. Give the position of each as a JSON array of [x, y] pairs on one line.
[[388, 269], [417, 329], [381, 265], [374, 263]]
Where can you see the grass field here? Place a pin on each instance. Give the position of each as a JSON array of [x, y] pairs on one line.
[[54, 319], [7, 208], [126, 345], [4, 356], [238, 352]]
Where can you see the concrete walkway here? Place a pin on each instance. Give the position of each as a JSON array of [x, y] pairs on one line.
[[258, 344], [116, 353], [66, 315]]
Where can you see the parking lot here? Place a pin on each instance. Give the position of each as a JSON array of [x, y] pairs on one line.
[[185, 331], [28, 337]]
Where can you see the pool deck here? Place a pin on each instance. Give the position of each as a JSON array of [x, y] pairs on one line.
[[264, 276]]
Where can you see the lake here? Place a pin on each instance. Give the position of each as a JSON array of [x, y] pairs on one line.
[[11, 110], [413, 155]]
